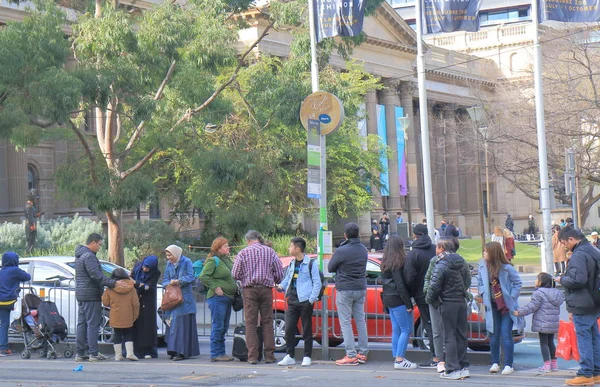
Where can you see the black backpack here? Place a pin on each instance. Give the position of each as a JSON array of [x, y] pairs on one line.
[[323, 282], [595, 281], [49, 320]]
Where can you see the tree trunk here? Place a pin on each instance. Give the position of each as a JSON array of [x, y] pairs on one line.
[[116, 250]]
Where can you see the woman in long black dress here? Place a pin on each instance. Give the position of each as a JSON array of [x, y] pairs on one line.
[[146, 274]]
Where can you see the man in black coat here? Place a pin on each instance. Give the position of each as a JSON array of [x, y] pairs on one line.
[[89, 286], [579, 282], [417, 263], [451, 231]]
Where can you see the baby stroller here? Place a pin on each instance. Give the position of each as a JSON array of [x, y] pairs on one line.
[[43, 328]]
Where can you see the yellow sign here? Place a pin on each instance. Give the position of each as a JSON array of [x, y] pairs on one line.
[[325, 107]]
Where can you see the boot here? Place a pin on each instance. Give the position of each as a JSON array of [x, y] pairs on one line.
[[118, 355], [129, 349]]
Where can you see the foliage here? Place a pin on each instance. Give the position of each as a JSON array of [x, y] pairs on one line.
[[282, 242]]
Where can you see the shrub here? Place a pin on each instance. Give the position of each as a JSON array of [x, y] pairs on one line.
[[282, 242]]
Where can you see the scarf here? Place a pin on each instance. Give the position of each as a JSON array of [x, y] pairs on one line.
[[140, 275], [498, 297]]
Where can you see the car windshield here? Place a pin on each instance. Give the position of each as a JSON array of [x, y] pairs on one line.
[[107, 267]]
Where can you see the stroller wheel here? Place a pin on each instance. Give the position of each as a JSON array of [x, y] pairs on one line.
[[51, 355], [43, 353], [68, 353], [25, 355]]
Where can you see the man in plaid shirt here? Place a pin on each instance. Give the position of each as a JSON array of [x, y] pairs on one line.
[[258, 268]]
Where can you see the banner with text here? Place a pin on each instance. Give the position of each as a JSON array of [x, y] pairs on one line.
[[338, 17], [382, 133], [401, 146], [583, 11], [314, 160], [450, 15]]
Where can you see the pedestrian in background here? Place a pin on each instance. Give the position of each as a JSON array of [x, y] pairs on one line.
[[595, 240], [509, 223], [509, 245], [259, 269], [216, 276], [349, 263], [417, 263], [182, 333], [531, 226], [579, 282], [498, 236], [499, 285], [545, 305], [396, 298], [301, 285], [10, 278], [124, 310], [31, 216], [146, 274], [559, 252], [384, 223], [89, 285], [450, 280], [376, 241], [451, 230]]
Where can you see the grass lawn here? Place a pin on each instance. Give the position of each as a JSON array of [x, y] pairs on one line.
[[470, 249]]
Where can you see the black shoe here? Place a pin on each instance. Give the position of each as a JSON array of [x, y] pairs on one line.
[[428, 364], [178, 358]]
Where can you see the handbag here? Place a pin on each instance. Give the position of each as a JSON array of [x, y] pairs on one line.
[[172, 297], [238, 301]]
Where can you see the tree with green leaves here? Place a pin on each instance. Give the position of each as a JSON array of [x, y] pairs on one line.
[[145, 85]]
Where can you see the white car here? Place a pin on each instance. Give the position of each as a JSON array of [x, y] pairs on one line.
[[53, 279]]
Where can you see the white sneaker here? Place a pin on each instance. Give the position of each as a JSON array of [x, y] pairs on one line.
[[287, 360], [495, 368], [508, 370], [404, 365], [441, 367], [306, 361], [465, 373]]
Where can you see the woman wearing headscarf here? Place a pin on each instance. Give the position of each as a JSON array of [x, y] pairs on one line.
[[216, 275], [10, 277], [145, 274], [181, 334]]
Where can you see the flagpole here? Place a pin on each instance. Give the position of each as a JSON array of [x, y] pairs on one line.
[[541, 138], [314, 76], [423, 115]]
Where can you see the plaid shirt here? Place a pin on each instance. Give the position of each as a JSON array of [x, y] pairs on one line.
[[257, 264]]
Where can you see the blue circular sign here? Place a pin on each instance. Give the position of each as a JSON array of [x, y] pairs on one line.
[[324, 118]]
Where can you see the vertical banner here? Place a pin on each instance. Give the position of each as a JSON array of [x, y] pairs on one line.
[[451, 15], [583, 11], [382, 133], [314, 159], [338, 17], [401, 146]]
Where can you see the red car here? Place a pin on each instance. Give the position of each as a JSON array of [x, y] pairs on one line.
[[379, 327]]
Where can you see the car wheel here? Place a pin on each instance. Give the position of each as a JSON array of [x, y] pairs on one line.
[[279, 327], [423, 340], [333, 342]]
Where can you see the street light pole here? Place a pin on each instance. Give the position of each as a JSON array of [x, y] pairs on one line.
[[476, 114], [405, 122], [487, 186]]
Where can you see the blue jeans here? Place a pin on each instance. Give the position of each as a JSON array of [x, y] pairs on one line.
[[588, 342], [401, 328], [502, 331], [4, 324], [220, 312], [351, 303]]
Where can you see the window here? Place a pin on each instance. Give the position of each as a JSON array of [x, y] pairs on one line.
[[154, 208], [42, 271], [32, 179], [395, 3], [507, 15]]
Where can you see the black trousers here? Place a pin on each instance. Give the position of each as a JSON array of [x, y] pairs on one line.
[[31, 235], [454, 315], [295, 311], [122, 335], [547, 346], [426, 321]]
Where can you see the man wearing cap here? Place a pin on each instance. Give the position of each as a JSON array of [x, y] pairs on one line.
[[415, 268], [510, 223], [595, 240]]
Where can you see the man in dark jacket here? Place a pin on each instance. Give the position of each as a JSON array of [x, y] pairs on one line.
[[89, 286], [510, 223], [10, 277], [579, 281], [349, 263], [448, 283], [451, 231], [417, 263]]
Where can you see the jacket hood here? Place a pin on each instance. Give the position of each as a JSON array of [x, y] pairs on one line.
[[422, 242], [454, 261], [124, 286], [10, 258], [81, 249], [554, 296]]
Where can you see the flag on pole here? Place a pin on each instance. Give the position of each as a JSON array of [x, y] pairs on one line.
[[450, 15], [582, 11], [338, 17]]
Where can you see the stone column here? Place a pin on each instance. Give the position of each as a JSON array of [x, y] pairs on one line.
[[364, 222], [408, 91], [391, 99], [17, 182]]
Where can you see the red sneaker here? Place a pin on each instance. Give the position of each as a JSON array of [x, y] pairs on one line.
[[362, 359], [347, 361]]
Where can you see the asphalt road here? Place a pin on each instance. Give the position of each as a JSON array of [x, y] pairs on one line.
[[35, 372]]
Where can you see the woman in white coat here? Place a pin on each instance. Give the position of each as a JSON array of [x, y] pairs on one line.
[[499, 286]]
